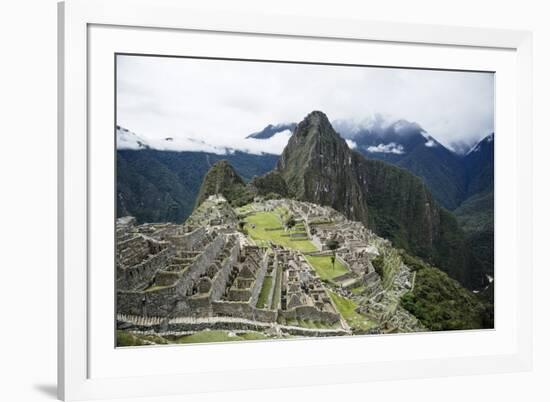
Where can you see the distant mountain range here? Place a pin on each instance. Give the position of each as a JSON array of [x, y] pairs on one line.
[[157, 181], [450, 174], [162, 186]]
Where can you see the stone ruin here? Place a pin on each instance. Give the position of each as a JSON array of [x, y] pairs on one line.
[[204, 269], [206, 274], [304, 297]]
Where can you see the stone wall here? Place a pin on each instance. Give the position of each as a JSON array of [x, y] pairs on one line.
[[260, 275], [221, 278], [243, 310], [271, 293], [310, 313], [317, 243], [199, 265], [278, 278], [343, 277], [187, 241], [159, 303], [141, 274]]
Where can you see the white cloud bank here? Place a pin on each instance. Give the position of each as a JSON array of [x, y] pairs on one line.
[[391, 148], [215, 104]]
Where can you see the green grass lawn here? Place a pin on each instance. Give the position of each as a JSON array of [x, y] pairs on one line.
[[358, 290], [244, 209], [264, 293], [323, 266], [124, 338], [277, 290], [219, 336], [266, 220], [347, 307]]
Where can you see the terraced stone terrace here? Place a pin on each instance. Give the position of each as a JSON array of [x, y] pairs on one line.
[[241, 274]]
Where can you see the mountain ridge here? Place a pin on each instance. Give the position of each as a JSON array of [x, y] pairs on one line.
[[406, 144], [412, 219], [319, 167]]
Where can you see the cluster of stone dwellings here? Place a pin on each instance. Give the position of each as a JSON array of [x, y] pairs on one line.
[[303, 295], [354, 252], [205, 269]]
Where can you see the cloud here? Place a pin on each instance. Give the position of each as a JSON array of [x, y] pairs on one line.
[[273, 145], [391, 148], [430, 143], [351, 144], [129, 140], [220, 102]]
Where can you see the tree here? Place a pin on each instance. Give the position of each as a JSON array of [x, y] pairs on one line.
[[290, 222], [333, 245]]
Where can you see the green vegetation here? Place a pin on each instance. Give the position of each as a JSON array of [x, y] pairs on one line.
[[476, 213], [414, 263], [266, 226], [324, 268], [378, 264], [290, 222], [261, 227], [218, 336], [347, 307], [277, 290], [271, 185], [222, 179], [397, 206], [333, 245], [358, 289], [245, 209], [441, 303], [264, 293], [160, 186], [387, 265], [124, 338]]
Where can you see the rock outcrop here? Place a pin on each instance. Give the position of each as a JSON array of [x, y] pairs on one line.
[[318, 167]]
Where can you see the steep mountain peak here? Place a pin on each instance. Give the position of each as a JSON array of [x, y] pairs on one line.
[[316, 125], [406, 128], [316, 117], [223, 179], [223, 165], [316, 165], [223, 173], [482, 143]]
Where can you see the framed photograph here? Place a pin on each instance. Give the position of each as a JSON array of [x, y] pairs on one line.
[[255, 201]]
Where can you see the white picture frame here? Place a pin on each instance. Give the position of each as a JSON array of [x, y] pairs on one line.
[[84, 26]]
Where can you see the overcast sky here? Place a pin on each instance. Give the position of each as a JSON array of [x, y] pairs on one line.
[[220, 102]]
